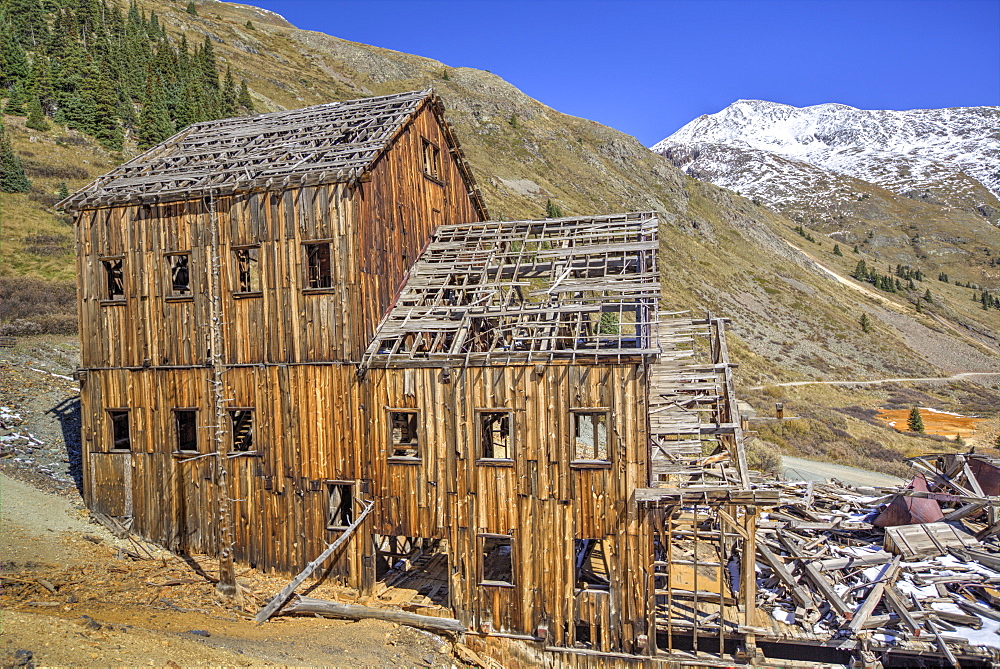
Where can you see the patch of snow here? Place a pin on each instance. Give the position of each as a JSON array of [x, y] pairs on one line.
[[776, 153]]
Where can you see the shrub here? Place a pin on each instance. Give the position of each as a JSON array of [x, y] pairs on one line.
[[764, 457], [34, 306]]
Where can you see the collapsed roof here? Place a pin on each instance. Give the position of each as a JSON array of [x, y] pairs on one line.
[[576, 289], [326, 143]]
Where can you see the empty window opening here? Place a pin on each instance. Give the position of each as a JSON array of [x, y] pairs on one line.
[[186, 422], [114, 276], [339, 505], [588, 636], [590, 435], [591, 564], [432, 159], [495, 439], [247, 262], [242, 424], [413, 563], [404, 440], [179, 280], [318, 267], [498, 559], [121, 439]]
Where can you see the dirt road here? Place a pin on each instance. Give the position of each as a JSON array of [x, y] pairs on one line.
[[800, 469], [875, 382]]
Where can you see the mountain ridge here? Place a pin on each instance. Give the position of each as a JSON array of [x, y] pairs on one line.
[[905, 152]]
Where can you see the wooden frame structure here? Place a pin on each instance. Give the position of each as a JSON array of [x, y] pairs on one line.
[[344, 295]]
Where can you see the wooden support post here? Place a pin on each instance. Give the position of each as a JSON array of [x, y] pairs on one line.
[[942, 646], [896, 602], [220, 444], [282, 597], [817, 578]]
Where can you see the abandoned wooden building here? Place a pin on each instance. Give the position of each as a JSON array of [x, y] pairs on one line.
[[291, 319]]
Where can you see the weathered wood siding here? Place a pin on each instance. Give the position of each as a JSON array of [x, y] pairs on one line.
[[318, 423], [376, 230]]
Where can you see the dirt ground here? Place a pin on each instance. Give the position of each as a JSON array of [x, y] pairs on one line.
[[935, 422], [73, 594]]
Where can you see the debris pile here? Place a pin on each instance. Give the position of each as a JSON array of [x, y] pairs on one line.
[[916, 567]]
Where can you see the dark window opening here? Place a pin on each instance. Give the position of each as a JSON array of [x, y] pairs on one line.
[[498, 560], [318, 267], [242, 424], [495, 439], [180, 277], [588, 636], [114, 275], [590, 435], [186, 422], [339, 505], [247, 262], [415, 563], [431, 159], [121, 439], [591, 566], [403, 435]]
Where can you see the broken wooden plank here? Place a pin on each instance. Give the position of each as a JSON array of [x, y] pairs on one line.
[[800, 593], [886, 576]]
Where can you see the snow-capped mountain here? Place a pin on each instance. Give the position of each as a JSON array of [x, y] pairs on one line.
[[781, 154]]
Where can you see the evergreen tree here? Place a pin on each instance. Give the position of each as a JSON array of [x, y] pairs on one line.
[[229, 95], [927, 295], [856, 249], [553, 210], [17, 103], [191, 9], [12, 177], [836, 250], [36, 119], [13, 60], [915, 422], [866, 323], [861, 271], [244, 99], [154, 121]]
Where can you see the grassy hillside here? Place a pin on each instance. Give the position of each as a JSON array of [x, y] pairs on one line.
[[790, 319]]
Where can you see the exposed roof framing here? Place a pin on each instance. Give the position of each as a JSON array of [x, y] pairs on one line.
[[326, 143], [576, 289]]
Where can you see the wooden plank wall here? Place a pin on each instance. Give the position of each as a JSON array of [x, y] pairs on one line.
[[317, 423], [399, 209], [377, 229]]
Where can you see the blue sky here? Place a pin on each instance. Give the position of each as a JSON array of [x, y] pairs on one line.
[[647, 67]]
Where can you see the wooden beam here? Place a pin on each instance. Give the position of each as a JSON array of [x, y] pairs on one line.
[[359, 612], [282, 597]]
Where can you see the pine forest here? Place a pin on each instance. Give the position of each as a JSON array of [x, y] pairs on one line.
[[112, 75]]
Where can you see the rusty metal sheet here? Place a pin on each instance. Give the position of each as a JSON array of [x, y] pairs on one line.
[[987, 474], [903, 510]]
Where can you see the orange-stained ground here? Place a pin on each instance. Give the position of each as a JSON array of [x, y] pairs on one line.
[[943, 424]]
